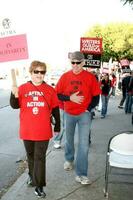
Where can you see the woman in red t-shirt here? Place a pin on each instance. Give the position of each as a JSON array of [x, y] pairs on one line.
[[37, 101]]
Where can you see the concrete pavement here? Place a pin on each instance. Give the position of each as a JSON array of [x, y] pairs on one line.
[[61, 185]]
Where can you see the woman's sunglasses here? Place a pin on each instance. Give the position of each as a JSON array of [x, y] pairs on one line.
[[37, 72]]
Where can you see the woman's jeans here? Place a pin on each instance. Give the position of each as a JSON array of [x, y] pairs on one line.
[[105, 100], [36, 156], [83, 122]]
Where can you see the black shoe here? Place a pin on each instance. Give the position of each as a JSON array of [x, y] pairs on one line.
[[92, 115], [39, 192], [29, 182]]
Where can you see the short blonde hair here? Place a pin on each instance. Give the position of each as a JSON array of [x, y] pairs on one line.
[[36, 64]]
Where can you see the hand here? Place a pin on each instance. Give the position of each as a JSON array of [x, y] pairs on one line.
[[15, 91], [76, 99]]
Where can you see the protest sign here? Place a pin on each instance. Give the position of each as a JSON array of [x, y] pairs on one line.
[[91, 45], [13, 48], [92, 50]]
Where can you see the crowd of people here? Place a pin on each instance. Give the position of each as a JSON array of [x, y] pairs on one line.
[[72, 103]]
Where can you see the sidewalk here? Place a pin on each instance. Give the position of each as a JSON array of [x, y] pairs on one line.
[[62, 185]]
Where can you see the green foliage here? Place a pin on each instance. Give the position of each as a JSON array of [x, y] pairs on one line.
[[117, 40]]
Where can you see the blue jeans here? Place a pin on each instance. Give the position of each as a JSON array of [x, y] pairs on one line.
[[132, 110], [59, 136], [105, 100], [83, 122], [128, 103], [113, 91]]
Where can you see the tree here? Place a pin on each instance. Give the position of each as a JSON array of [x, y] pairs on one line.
[[128, 1], [117, 40]]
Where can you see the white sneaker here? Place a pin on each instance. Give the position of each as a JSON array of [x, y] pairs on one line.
[[68, 166], [57, 145], [83, 180]]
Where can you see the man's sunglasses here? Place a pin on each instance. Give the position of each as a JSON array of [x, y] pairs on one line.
[[77, 63], [37, 72]]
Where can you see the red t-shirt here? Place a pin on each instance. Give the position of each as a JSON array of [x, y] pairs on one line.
[[36, 103], [113, 82], [85, 83], [61, 105]]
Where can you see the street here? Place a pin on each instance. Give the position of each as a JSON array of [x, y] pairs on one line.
[[61, 184], [11, 148]]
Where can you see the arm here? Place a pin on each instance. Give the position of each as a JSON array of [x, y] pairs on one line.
[[94, 103], [63, 97], [14, 102], [56, 115], [73, 97]]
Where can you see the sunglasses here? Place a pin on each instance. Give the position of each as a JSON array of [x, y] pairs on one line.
[[37, 72], [77, 63]]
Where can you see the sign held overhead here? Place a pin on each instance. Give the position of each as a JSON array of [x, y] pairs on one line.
[[91, 45], [13, 48], [92, 50]]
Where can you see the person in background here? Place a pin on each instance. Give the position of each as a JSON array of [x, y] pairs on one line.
[[106, 88], [113, 84], [36, 101], [129, 91], [93, 110], [59, 136], [79, 90], [124, 85]]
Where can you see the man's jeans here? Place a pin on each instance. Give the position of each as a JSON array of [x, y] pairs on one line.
[[105, 100], [83, 122]]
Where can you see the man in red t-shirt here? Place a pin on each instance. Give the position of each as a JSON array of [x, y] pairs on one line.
[[79, 90]]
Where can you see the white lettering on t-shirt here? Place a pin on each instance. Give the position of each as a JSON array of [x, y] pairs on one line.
[[35, 104], [35, 93], [35, 98], [35, 110]]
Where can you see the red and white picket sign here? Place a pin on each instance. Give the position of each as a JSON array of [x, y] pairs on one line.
[[91, 45]]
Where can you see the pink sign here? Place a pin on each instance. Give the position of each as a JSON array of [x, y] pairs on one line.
[[124, 62], [105, 71], [13, 48]]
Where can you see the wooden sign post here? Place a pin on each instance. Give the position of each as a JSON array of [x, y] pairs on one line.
[[13, 75]]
